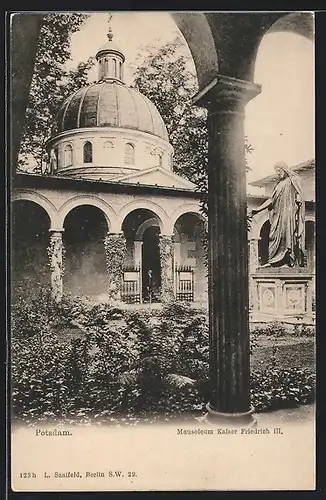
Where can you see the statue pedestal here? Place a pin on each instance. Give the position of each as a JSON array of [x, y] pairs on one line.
[[282, 294]]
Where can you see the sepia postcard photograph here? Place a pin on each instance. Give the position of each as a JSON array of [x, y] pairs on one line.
[[161, 223]]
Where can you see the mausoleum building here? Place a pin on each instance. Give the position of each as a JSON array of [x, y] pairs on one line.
[[116, 221]]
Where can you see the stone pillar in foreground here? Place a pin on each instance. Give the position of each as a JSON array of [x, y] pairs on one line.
[[228, 285], [56, 257], [115, 252], [166, 258]]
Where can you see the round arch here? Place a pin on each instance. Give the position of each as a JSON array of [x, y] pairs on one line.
[[78, 201], [257, 224], [299, 23], [144, 204], [186, 209], [30, 237], [199, 38], [203, 32], [145, 225], [42, 201], [263, 242]]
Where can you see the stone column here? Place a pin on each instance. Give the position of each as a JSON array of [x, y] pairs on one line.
[[313, 283], [177, 253], [228, 285], [138, 248], [166, 259], [253, 265], [177, 261], [115, 252], [56, 257], [138, 253], [253, 255]]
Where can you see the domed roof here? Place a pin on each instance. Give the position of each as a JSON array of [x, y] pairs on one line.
[[109, 104]]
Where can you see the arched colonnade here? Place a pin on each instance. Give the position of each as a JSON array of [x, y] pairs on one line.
[[86, 231]]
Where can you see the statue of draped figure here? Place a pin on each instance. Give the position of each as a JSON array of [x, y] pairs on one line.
[[286, 206]]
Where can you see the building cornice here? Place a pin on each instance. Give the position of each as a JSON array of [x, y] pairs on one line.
[[29, 181], [301, 167], [25, 180], [96, 131]]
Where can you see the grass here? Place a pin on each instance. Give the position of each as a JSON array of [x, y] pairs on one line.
[[287, 352]]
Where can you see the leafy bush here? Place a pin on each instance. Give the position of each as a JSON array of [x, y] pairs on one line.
[[31, 315], [275, 389], [272, 329], [126, 362], [303, 330], [277, 329], [127, 365], [253, 342], [44, 383]]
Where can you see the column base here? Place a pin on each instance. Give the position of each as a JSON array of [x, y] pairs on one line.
[[214, 417]]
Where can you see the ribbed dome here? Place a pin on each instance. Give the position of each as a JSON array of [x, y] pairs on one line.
[[109, 104]]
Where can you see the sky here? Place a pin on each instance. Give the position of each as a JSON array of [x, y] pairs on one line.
[[279, 122]]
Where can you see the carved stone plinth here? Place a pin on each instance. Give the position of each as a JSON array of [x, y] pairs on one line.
[[282, 296]]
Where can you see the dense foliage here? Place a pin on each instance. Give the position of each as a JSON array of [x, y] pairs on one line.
[[275, 389], [83, 362], [277, 329], [51, 84]]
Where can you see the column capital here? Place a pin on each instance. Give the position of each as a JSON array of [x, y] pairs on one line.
[[225, 89], [120, 234], [170, 236], [254, 238]]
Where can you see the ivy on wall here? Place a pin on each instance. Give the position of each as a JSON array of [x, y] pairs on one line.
[[166, 258], [56, 253], [115, 251]]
